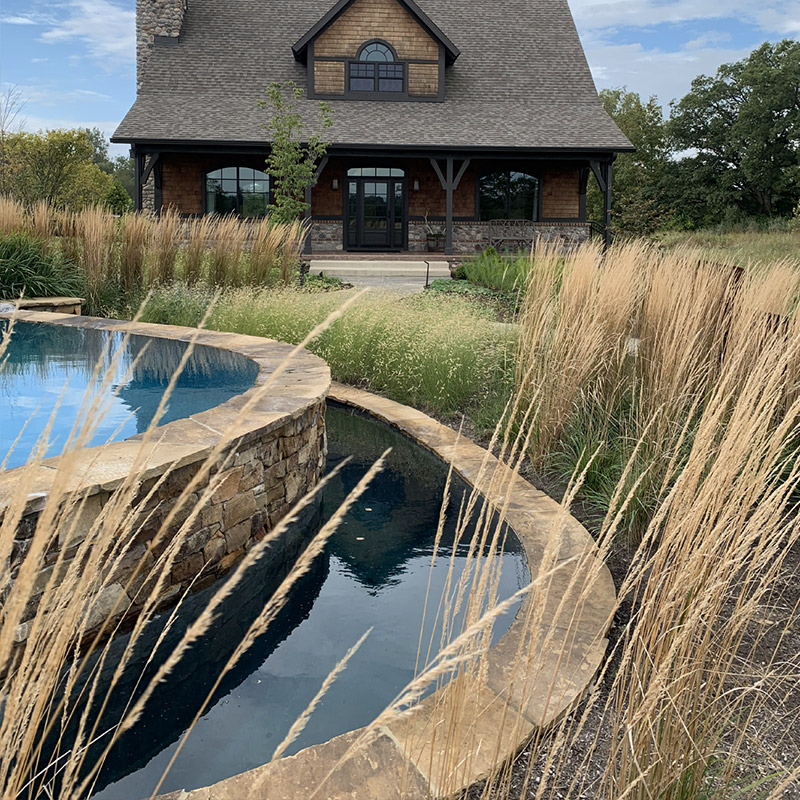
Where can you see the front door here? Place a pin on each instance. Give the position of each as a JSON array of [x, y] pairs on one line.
[[375, 213]]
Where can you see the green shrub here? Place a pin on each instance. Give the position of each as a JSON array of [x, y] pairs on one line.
[[502, 273], [177, 304], [29, 268]]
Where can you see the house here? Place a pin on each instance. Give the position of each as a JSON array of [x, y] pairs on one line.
[[448, 113]]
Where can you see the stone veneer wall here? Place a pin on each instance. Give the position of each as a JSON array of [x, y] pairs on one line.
[[468, 237], [266, 471]]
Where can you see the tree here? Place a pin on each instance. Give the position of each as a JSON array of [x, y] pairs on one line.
[[744, 124], [637, 201], [12, 104], [56, 166], [292, 163]]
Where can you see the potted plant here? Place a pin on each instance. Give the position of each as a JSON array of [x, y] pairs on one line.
[[436, 235]]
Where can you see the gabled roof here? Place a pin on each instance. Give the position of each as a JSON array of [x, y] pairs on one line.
[[300, 47], [520, 83]]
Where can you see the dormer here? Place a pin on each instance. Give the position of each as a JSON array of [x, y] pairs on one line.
[[380, 50]]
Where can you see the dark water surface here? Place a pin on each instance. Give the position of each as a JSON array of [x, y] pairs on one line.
[[374, 572], [50, 369]]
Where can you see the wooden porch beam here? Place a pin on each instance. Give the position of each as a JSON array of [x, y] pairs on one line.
[[154, 158], [598, 174], [450, 182]]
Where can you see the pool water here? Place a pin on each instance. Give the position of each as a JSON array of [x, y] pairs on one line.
[[49, 370], [374, 572]]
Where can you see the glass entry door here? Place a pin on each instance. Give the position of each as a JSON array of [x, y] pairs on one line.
[[375, 213]]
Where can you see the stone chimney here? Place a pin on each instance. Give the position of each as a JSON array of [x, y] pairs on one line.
[[156, 21]]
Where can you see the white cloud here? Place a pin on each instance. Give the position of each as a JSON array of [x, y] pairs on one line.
[[106, 29], [780, 17], [17, 21], [667, 75]]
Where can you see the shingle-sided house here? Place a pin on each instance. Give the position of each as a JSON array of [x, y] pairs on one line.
[[450, 113]]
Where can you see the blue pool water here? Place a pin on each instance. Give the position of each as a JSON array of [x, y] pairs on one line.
[[49, 370]]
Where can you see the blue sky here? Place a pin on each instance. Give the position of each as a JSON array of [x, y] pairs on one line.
[[73, 60]]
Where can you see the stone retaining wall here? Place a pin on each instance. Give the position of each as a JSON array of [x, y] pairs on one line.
[[277, 456]]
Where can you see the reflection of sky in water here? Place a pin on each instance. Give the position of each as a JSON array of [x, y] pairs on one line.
[[374, 573], [48, 372]]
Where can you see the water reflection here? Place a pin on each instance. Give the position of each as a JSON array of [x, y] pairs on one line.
[[51, 368]]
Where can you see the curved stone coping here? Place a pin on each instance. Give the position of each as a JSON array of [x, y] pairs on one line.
[[466, 730], [304, 382]]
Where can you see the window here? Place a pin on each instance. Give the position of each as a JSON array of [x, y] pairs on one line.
[[508, 195], [377, 70], [237, 190], [375, 172]]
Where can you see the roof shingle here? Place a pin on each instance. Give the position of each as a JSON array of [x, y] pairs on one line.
[[521, 80]]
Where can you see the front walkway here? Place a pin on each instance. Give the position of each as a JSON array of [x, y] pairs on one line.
[[381, 271]]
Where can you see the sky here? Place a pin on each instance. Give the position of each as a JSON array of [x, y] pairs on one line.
[[74, 60]]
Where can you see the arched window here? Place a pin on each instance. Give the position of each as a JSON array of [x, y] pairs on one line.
[[377, 70], [237, 190], [508, 195]]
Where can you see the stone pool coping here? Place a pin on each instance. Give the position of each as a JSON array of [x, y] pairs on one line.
[[562, 640], [305, 381]]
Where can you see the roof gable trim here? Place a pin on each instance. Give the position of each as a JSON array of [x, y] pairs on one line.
[[300, 48]]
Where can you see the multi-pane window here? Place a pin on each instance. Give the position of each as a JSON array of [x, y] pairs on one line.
[[237, 190], [508, 195], [377, 70]]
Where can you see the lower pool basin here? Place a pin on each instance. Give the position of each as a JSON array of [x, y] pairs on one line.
[[374, 573]]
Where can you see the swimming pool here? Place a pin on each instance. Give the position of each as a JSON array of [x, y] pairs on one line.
[[57, 370], [373, 573]]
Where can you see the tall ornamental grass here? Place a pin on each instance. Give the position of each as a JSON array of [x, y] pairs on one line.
[[695, 675], [117, 260], [620, 353]]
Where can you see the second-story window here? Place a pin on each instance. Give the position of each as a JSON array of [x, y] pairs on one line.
[[377, 70]]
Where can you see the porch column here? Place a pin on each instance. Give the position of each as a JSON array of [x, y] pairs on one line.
[[450, 182], [138, 161], [609, 176], [604, 173], [307, 246]]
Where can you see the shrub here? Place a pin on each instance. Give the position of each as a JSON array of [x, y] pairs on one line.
[[502, 273], [28, 268]]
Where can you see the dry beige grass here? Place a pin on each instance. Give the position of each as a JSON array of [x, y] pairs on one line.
[[703, 373], [135, 233], [12, 216]]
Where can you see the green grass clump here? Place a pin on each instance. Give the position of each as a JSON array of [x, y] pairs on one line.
[[441, 354], [502, 273], [743, 247], [29, 268]]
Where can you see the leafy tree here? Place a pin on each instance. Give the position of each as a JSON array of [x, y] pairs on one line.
[[637, 208], [56, 166], [117, 199], [292, 163], [12, 104], [744, 124]]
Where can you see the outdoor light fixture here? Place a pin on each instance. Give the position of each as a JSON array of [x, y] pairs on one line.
[[416, 184], [335, 184]]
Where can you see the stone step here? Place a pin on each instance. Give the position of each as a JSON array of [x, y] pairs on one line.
[[395, 269]]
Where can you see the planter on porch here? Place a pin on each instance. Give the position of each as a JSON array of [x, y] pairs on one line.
[[436, 242]]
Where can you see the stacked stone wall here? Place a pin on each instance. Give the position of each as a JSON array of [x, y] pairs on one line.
[[265, 478]]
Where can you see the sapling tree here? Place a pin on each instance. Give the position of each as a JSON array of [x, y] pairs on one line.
[[292, 162]]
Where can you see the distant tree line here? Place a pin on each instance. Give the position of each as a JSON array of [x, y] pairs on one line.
[[65, 168], [728, 152]]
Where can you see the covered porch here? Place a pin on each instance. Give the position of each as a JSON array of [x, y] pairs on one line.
[[382, 200]]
